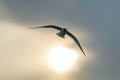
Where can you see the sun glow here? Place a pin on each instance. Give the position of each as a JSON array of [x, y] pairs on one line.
[[62, 59]]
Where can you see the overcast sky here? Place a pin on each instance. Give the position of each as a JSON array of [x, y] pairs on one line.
[[95, 22]]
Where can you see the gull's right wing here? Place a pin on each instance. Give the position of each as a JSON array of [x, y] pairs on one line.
[[48, 26], [76, 41]]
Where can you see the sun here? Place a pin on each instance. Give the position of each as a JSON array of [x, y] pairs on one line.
[[61, 58]]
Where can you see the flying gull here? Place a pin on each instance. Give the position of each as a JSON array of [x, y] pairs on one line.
[[62, 33]]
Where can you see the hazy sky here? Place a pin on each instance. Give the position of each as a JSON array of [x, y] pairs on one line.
[[95, 22]]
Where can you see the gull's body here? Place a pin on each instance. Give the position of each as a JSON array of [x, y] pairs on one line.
[[62, 33]]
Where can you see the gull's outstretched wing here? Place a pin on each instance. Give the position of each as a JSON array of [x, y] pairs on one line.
[[48, 26], [76, 41]]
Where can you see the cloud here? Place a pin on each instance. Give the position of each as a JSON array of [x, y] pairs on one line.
[[22, 52], [34, 12]]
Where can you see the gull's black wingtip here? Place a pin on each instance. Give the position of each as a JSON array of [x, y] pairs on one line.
[[85, 54], [86, 57], [33, 28], [36, 27]]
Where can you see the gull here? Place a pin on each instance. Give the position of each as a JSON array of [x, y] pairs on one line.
[[62, 33]]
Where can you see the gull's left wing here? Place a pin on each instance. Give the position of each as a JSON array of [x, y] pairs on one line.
[[76, 41], [48, 26]]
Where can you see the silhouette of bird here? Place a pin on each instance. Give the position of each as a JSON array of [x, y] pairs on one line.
[[62, 33]]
